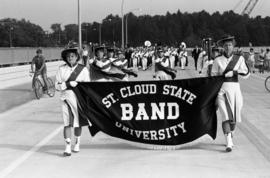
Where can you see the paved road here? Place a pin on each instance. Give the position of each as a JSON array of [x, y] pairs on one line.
[[31, 145], [15, 88]]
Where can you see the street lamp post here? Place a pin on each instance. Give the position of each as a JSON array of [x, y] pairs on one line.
[[86, 33], [59, 36], [99, 34], [139, 9], [100, 29], [122, 12], [10, 36], [79, 25]]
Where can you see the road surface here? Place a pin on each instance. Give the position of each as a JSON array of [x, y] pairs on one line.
[[32, 144]]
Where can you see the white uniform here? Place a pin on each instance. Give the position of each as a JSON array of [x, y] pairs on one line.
[[68, 97], [119, 64], [144, 60], [183, 59], [135, 57], [201, 60], [104, 66], [230, 92], [172, 59]]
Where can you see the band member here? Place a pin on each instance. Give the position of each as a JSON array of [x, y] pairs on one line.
[[101, 67], [207, 67], [183, 58], [162, 69], [121, 64], [173, 53], [85, 55], [67, 77], [230, 100], [201, 61], [183, 48], [145, 56]]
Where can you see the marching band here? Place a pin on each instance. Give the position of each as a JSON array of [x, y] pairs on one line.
[[108, 64]]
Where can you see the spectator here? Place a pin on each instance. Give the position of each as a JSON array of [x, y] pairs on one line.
[[251, 60], [261, 62], [267, 60], [195, 54]]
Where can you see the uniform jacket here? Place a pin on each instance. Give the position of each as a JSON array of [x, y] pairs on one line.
[[231, 90]]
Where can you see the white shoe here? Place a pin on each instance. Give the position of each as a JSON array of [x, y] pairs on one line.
[[229, 141], [67, 151], [76, 148]]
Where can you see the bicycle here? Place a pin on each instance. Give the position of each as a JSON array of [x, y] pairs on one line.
[[39, 87], [267, 83]]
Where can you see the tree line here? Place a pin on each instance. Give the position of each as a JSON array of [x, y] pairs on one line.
[[170, 29]]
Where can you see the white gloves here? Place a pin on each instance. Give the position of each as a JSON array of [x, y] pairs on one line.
[[112, 59], [73, 83], [229, 74]]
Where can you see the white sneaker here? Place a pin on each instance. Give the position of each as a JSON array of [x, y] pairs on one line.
[[67, 151], [229, 141], [76, 148]]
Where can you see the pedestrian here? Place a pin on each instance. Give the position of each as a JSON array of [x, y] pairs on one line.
[[267, 60], [195, 54], [261, 62], [229, 99], [67, 77], [251, 60]]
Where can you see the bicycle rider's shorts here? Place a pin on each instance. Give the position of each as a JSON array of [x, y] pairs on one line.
[[44, 71]]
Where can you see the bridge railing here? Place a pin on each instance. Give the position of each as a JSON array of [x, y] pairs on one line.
[[24, 55]]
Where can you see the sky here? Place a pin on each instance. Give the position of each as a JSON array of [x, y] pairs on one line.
[[47, 12]]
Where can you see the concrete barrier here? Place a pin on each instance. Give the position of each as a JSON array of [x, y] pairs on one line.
[[24, 55], [17, 75]]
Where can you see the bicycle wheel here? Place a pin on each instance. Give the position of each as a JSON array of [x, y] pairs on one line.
[[267, 83], [38, 88], [51, 87]]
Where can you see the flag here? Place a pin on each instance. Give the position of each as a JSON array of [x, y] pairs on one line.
[[171, 112]]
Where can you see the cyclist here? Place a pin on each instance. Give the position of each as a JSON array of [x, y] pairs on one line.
[[40, 69]]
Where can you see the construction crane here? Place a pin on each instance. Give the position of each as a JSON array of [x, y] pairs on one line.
[[237, 5], [249, 7]]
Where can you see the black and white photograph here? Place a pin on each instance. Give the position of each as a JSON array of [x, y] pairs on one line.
[[134, 89]]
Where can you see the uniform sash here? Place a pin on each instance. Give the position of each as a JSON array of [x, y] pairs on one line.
[[76, 72], [167, 70], [97, 73], [230, 67]]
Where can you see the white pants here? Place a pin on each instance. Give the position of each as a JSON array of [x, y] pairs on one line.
[[70, 112], [200, 63], [161, 75], [172, 61], [144, 63], [183, 62], [135, 63]]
